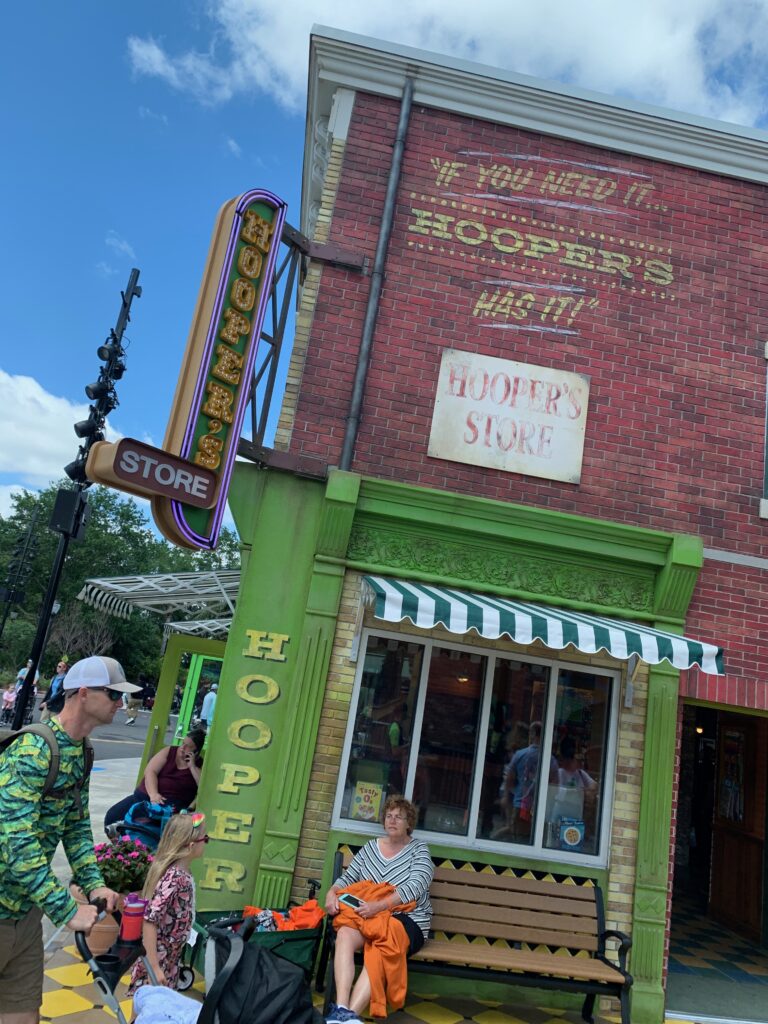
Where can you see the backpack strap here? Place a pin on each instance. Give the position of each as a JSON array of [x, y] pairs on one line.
[[41, 729]]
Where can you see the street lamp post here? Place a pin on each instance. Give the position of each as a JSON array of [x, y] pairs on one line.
[[70, 512]]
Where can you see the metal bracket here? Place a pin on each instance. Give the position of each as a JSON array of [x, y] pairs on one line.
[[325, 252]]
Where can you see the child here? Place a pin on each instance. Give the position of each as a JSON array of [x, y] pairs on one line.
[[9, 699], [171, 893]]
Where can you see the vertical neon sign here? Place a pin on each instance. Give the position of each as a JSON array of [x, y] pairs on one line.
[[214, 385]]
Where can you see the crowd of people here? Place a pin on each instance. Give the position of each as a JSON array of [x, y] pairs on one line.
[[379, 904]]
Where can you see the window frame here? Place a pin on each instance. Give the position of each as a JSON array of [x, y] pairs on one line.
[[535, 850]]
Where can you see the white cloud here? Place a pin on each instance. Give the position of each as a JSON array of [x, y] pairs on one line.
[[150, 115], [37, 429], [702, 56], [233, 147], [120, 245], [195, 73], [104, 269], [6, 493]]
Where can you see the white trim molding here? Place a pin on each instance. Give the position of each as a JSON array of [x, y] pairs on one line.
[[344, 60]]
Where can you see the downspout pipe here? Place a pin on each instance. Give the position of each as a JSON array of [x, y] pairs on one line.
[[377, 279]]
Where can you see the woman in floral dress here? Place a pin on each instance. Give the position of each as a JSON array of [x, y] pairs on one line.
[[170, 890]]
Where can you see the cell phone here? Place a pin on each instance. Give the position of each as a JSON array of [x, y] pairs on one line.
[[350, 901]]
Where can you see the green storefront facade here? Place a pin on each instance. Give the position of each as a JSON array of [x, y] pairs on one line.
[[275, 756]]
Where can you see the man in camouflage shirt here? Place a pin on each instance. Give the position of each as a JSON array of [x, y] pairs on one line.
[[32, 826]]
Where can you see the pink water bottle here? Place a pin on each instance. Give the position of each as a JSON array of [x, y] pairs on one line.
[[133, 916]]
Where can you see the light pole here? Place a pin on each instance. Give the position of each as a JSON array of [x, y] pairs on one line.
[[70, 511]]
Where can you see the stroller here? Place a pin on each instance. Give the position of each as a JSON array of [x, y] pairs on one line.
[[144, 821], [244, 983], [297, 946]]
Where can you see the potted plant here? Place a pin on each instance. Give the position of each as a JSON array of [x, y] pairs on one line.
[[124, 865]]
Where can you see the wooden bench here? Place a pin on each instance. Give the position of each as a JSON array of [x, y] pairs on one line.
[[539, 933]]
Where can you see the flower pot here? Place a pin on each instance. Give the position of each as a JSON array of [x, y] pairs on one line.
[[104, 933]]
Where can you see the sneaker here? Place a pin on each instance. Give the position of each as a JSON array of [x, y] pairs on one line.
[[341, 1015], [130, 721]]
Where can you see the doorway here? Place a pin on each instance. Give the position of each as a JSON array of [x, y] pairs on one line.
[[718, 953], [190, 665]]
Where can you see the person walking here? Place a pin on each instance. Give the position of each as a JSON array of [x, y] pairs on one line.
[[34, 817], [134, 704], [54, 699], [209, 706]]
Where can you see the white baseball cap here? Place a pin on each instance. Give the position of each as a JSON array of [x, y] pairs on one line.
[[98, 671]]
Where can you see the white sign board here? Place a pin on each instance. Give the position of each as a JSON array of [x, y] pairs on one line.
[[510, 416]]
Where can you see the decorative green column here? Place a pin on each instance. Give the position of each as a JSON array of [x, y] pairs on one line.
[[652, 880], [286, 811], [273, 677], [672, 595]]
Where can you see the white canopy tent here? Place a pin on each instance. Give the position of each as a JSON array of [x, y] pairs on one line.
[[208, 597]]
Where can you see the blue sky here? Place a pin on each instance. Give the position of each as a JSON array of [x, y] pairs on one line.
[[128, 125]]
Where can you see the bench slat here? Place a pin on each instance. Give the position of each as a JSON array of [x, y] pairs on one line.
[[567, 923], [476, 954], [511, 884], [553, 904], [493, 930]]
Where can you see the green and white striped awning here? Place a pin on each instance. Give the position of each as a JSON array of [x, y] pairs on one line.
[[493, 617]]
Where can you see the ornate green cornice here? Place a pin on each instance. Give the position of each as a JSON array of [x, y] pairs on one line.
[[504, 569], [532, 553]]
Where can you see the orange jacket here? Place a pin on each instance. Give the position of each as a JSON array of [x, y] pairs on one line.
[[386, 943]]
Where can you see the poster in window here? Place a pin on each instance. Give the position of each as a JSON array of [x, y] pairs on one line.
[[366, 801], [571, 834]]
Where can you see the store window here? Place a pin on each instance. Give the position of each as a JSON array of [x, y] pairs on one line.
[[496, 752]]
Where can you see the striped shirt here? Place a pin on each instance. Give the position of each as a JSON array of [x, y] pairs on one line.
[[410, 871]]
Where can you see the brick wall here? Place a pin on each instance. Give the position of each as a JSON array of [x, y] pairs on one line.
[[645, 276], [730, 604], [324, 778]]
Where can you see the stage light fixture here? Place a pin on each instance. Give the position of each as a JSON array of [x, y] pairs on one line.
[[76, 471], [99, 389], [86, 428]]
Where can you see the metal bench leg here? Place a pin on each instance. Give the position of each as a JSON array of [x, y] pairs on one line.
[[587, 1010], [330, 986], [624, 999]]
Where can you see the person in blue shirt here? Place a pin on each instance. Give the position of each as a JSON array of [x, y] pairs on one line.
[[209, 706], [54, 699]]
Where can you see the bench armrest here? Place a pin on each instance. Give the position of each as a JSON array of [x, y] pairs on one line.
[[625, 944]]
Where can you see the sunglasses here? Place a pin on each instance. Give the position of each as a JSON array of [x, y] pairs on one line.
[[114, 695]]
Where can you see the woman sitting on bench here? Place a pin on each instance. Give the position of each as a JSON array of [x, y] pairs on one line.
[[393, 871]]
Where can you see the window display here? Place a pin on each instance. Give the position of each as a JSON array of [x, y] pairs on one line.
[[494, 751]]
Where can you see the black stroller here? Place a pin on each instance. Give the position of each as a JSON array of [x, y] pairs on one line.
[[245, 983]]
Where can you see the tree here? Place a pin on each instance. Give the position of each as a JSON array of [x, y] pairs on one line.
[[119, 541], [78, 628]]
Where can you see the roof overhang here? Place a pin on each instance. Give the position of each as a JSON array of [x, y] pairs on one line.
[[348, 61]]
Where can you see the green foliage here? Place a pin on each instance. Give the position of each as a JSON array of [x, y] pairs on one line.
[[119, 541]]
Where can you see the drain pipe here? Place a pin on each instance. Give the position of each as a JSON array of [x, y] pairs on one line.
[[377, 279]]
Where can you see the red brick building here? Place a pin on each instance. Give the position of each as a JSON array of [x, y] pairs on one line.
[[548, 386]]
